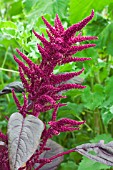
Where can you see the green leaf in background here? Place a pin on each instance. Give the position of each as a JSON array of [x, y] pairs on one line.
[[106, 137], [8, 24], [92, 100], [107, 115], [110, 8], [7, 41], [109, 91], [43, 7], [80, 9], [98, 20], [66, 68], [8, 32], [68, 165], [90, 165], [3, 124], [71, 108], [106, 39], [14, 8], [28, 5]]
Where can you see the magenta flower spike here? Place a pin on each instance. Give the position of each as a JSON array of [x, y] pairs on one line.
[[77, 27], [38, 80], [64, 77], [64, 125]]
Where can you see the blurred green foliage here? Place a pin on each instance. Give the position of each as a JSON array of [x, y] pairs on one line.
[[93, 104]]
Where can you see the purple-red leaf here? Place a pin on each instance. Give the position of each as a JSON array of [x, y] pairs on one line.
[[16, 85], [104, 152], [23, 138], [55, 149]]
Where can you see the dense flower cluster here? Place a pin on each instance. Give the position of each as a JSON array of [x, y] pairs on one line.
[[43, 86]]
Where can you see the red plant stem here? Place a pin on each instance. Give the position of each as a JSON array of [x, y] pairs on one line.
[[56, 156]]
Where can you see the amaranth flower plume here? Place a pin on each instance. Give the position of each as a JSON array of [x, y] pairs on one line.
[[39, 81]]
